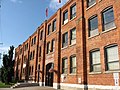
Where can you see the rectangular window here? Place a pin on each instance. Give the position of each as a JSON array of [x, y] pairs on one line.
[[95, 65], [73, 11], [48, 47], [30, 55], [34, 40], [40, 49], [108, 19], [54, 25], [33, 54], [41, 35], [65, 39], [73, 36], [112, 58], [65, 17], [90, 2], [53, 45], [73, 64], [32, 70], [93, 26], [49, 29], [64, 66]]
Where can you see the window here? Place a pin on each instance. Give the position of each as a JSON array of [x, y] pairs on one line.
[[49, 28], [72, 11], [21, 51], [41, 35], [90, 2], [65, 39], [48, 47], [64, 66], [34, 40], [26, 46], [39, 67], [112, 57], [93, 26], [53, 45], [54, 25], [29, 70], [32, 70], [108, 19], [95, 65], [40, 49], [65, 17], [73, 64], [73, 36], [33, 54], [30, 55]]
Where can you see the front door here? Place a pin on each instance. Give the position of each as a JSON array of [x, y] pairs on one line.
[[49, 75]]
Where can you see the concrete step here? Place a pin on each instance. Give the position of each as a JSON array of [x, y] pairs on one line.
[[19, 85]]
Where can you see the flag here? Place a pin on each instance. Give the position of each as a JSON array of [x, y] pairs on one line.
[[46, 12], [59, 1]]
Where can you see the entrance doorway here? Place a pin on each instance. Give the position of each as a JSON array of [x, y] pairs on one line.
[[49, 75]]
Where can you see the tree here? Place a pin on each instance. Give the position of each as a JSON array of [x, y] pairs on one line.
[[7, 70]]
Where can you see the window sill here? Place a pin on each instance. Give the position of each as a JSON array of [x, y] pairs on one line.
[[94, 36], [72, 74], [72, 18], [65, 23], [94, 73], [72, 44], [64, 47], [99, 0], [91, 6], [112, 71], [109, 30]]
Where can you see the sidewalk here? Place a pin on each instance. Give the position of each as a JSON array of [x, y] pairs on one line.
[[31, 88]]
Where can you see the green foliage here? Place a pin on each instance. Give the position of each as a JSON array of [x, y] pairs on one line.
[[7, 70]]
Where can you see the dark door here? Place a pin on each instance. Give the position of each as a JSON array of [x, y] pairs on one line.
[[49, 75]]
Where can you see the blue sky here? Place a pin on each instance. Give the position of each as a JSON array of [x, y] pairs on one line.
[[20, 18]]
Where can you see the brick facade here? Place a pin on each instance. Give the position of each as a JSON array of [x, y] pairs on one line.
[[35, 62]]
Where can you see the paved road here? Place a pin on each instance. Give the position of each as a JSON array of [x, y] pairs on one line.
[[30, 88]]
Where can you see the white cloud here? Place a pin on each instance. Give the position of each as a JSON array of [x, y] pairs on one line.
[[54, 4], [4, 49], [16, 1]]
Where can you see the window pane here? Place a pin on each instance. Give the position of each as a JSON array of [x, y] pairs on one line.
[[54, 25], [73, 36], [65, 17], [96, 57], [64, 65], [95, 61], [97, 68], [93, 26], [108, 19], [49, 27], [112, 54], [73, 11], [91, 2], [108, 16], [113, 66], [53, 45], [65, 40]]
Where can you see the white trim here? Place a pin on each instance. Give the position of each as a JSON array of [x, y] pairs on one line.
[[89, 86], [41, 83], [56, 85]]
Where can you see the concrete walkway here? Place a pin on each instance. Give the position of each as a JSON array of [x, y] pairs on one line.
[[30, 88]]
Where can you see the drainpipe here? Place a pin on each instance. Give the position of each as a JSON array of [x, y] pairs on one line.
[[84, 46]]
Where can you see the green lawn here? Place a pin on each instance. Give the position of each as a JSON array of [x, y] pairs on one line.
[[2, 85]]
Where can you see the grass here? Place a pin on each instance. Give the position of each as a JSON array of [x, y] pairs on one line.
[[3, 85]]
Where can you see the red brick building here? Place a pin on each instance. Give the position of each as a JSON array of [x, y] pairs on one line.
[[76, 48]]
